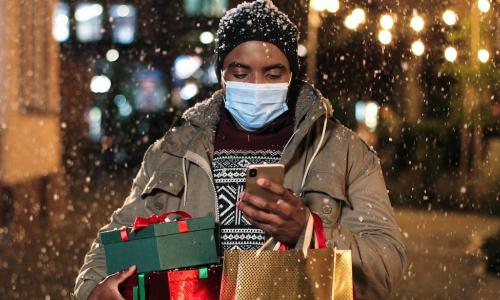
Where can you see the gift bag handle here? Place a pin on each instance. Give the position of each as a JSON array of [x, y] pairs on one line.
[[314, 227], [318, 232], [307, 241]]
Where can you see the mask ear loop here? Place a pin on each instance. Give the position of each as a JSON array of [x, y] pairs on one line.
[[289, 84], [222, 77], [223, 81]]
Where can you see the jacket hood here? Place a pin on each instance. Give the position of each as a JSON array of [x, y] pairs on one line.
[[207, 112]]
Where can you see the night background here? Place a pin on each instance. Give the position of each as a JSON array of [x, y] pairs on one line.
[[87, 86]]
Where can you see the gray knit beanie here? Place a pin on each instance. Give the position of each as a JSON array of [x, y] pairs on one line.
[[259, 20]]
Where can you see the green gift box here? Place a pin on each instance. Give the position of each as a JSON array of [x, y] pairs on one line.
[[161, 246]]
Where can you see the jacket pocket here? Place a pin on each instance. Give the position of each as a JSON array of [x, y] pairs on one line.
[[170, 182], [324, 193], [163, 191], [333, 185]]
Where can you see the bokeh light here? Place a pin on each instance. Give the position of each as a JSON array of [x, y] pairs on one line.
[[483, 55], [359, 15], [333, 5], [207, 37], [100, 84], [385, 37], [450, 54], [417, 23], [484, 5], [450, 17], [319, 5], [302, 50], [387, 22], [418, 48], [112, 55]]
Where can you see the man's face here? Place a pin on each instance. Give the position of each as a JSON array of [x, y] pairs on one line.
[[256, 62]]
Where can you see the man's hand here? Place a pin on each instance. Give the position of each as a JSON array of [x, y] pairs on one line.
[[283, 215], [108, 288]]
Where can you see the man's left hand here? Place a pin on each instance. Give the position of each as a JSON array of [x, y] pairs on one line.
[[282, 214]]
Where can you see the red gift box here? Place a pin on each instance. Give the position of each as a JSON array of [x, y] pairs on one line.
[[198, 284], [155, 286], [195, 284]]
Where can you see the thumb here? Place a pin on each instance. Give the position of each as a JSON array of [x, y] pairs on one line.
[[122, 276]]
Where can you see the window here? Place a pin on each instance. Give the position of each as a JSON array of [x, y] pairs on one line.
[[123, 22], [60, 22], [89, 22], [208, 8], [149, 91]]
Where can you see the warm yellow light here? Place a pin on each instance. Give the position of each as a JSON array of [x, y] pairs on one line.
[[450, 17], [484, 5], [350, 22], [418, 48], [450, 54], [385, 37], [417, 23], [333, 5], [353, 20], [359, 15], [386, 22], [483, 55], [302, 50], [319, 5]]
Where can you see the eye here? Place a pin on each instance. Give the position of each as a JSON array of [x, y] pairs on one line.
[[274, 76], [240, 76]]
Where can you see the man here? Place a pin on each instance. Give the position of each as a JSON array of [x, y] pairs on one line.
[[264, 114]]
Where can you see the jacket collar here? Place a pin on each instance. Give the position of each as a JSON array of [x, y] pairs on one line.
[[205, 115]]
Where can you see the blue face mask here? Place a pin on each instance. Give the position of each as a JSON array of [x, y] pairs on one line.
[[254, 105]]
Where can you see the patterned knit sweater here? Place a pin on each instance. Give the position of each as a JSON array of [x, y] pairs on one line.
[[234, 150]]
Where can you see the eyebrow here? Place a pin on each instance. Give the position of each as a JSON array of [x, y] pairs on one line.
[[238, 65], [266, 68], [275, 66]]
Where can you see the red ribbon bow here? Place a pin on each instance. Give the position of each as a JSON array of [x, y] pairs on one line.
[[141, 222]]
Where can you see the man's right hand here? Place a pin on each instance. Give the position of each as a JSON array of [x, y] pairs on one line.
[[108, 288]]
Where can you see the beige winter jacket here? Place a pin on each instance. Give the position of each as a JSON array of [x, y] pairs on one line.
[[176, 174]]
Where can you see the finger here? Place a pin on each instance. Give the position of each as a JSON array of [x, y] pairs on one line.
[[271, 186], [279, 190], [258, 215], [269, 229], [122, 276], [258, 201], [280, 207]]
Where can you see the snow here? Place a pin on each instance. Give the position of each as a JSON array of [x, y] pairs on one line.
[[261, 17], [438, 156]]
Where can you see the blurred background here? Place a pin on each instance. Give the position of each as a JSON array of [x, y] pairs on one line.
[[87, 86]]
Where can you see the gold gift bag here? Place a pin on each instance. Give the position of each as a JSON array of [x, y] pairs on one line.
[[292, 274]]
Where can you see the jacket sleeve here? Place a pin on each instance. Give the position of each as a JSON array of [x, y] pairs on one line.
[[368, 227], [93, 269]]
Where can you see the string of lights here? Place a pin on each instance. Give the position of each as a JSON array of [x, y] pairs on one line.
[[417, 23]]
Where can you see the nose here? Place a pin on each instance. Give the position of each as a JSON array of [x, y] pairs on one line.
[[257, 78]]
